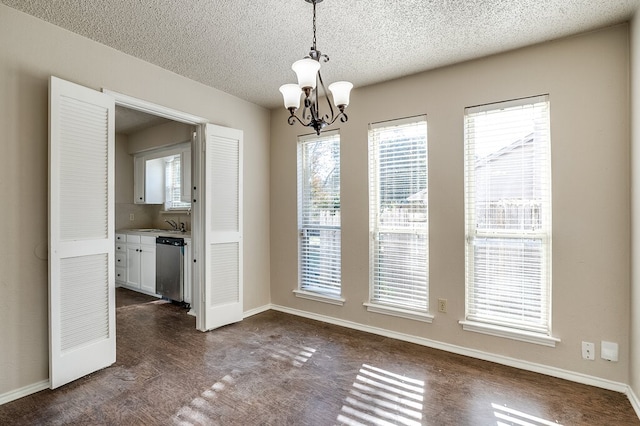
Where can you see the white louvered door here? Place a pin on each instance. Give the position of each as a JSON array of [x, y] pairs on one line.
[[223, 226], [81, 229]]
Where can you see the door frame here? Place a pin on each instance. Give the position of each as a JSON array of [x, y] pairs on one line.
[[197, 210]]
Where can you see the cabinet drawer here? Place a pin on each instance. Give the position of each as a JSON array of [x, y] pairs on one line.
[[121, 247], [121, 260], [148, 240], [120, 275], [121, 238], [133, 238]]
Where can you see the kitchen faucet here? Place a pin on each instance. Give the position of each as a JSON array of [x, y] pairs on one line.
[[173, 224]]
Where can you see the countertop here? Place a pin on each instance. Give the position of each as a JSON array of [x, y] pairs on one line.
[[153, 232]]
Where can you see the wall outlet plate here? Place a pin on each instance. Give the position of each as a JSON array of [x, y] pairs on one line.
[[588, 351], [609, 351], [442, 305]]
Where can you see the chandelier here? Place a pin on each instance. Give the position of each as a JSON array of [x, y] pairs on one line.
[[308, 72]]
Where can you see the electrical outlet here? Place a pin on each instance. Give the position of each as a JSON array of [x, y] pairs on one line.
[[131, 216], [442, 305], [609, 351], [588, 351]]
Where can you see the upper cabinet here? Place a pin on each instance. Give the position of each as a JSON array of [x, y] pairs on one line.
[[163, 176]]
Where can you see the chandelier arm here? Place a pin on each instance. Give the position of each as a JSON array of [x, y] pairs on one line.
[[327, 117], [342, 116], [293, 118]]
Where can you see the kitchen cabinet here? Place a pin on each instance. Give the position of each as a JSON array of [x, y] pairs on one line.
[[149, 175], [140, 263], [135, 263], [148, 180], [121, 259]]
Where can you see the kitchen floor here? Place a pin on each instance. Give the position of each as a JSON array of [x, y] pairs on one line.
[[278, 369], [126, 297]]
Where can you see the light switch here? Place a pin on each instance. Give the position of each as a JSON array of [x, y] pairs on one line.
[[609, 351]]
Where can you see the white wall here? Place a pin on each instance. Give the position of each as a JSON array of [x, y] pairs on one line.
[[30, 51], [586, 77]]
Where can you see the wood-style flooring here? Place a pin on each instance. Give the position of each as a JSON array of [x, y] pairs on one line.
[[278, 369]]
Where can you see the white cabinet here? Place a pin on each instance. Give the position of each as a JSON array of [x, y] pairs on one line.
[[121, 259], [148, 267], [135, 257], [133, 261], [140, 263], [150, 181]]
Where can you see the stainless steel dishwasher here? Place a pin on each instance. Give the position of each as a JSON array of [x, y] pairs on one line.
[[170, 268]]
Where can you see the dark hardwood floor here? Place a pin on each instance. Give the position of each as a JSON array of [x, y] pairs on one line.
[[278, 369]]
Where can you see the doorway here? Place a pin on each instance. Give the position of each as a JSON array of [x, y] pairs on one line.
[[82, 225], [152, 193]]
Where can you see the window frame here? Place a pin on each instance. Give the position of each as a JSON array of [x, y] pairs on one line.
[[494, 324], [402, 307], [309, 291]]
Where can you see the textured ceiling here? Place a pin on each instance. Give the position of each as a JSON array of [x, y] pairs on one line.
[[246, 48]]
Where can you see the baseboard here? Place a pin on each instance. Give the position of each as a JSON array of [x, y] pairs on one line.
[[24, 391], [633, 399], [255, 311], [498, 359]]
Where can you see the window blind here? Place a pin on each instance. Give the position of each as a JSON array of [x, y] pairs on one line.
[[508, 214], [398, 206], [319, 214], [173, 182]]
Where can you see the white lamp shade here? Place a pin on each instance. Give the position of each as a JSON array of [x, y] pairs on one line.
[[340, 91], [306, 70], [291, 94]]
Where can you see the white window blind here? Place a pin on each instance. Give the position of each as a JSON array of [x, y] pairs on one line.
[[319, 214], [398, 206], [508, 214], [173, 184]]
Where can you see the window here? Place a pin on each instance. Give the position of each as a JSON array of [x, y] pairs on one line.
[[173, 184], [319, 217], [399, 219], [508, 220]]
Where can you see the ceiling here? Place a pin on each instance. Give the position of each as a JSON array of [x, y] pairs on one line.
[[129, 121], [246, 48]]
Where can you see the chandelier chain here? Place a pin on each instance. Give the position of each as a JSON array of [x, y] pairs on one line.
[[314, 24]]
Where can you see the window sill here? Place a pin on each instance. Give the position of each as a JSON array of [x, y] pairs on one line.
[[319, 297], [510, 333], [399, 312]]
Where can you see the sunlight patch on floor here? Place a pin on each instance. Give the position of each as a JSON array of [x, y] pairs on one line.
[[195, 413], [508, 416], [383, 398], [296, 355]]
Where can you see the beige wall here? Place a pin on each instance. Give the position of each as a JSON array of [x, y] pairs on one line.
[[587, 79], [634, 379], [158, 136], [32, 50]]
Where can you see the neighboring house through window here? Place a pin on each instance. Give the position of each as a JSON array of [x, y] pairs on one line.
[[319, 235], [508, 220], [399, 218]]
